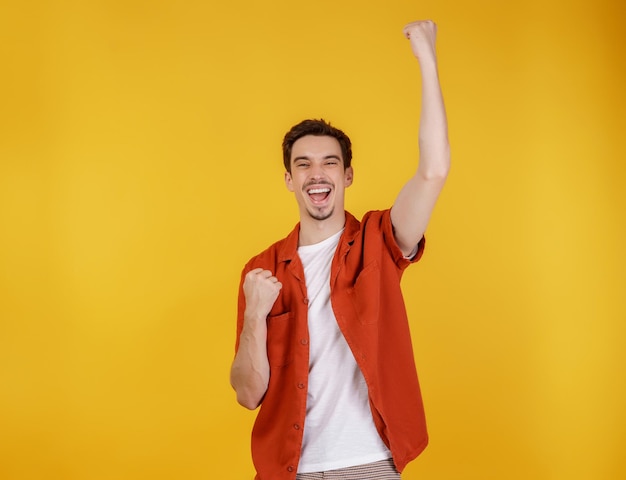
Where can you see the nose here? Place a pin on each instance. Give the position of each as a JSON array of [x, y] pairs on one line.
[[316, 171]]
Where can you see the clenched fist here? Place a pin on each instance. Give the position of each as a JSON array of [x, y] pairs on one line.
[[423, 35], [261, 290]]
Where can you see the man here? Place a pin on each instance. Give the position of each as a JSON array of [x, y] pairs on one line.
[[323, 344]]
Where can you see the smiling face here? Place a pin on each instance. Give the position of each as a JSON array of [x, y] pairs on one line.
[[318, 178]]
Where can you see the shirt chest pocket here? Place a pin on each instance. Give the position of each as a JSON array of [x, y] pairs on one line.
[[365, 294], [279, 339]]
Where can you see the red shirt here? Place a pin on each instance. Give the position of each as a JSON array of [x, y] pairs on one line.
[[367, 302]]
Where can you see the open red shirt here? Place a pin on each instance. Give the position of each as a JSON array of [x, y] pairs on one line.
[[368, 304]]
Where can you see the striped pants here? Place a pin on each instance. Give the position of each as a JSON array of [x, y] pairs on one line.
[[383, 470]]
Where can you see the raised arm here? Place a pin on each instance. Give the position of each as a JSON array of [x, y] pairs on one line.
[[415, 202], [250, 371]]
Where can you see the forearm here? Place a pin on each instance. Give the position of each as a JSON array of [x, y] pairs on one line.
[[250, 370], [434, 160]]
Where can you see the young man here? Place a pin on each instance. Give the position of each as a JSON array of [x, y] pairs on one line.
[[323, 343]]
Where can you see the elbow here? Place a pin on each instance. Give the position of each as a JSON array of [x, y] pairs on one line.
[[436, 174], [249, 394], [436, 164], [249, 400], [437, 170], [249, 383]]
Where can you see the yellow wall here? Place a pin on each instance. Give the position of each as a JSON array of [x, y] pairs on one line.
[[140, 168]]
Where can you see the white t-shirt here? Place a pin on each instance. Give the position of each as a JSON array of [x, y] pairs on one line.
[[339, 430]]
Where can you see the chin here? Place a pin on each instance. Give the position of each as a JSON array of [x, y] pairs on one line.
[[320, 216]]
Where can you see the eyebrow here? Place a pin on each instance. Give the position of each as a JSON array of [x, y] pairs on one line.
[[327, 157]]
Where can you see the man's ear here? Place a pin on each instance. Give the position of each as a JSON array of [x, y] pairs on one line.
[[349, 176], [288, 181]]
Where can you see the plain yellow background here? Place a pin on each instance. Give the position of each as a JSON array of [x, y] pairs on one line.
[[140, 168]]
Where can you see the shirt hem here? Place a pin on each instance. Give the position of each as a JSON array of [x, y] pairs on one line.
[[325, 467]]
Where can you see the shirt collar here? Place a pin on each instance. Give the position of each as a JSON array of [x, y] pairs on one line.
[[289, 248]]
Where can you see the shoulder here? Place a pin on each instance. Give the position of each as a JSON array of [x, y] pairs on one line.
[[377, 216], [378, 220], [378, 233], [267, 256], [374, 222], [282, 250]]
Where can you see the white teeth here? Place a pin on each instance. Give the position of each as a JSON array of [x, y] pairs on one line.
[[319, 190]]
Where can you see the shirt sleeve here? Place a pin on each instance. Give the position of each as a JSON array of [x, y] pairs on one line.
[[411, 255], [390, 240]]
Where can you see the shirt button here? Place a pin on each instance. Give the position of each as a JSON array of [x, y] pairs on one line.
[[296, 426], [304, 341], [290, 468], [301, 385], [305, 300]]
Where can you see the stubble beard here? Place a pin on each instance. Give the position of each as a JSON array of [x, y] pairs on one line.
[[321, 216]]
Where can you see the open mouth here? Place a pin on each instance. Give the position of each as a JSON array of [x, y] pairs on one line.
[[318, 195]]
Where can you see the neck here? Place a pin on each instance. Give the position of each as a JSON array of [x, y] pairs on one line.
[[314, 231]]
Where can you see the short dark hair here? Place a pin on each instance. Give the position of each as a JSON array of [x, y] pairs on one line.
[[319, 128]]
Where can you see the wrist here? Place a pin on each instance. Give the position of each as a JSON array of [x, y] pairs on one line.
[[254, 319], [427, 62]]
